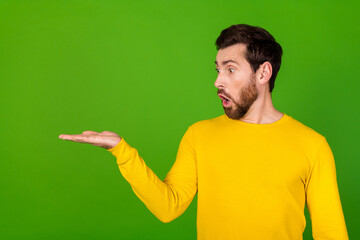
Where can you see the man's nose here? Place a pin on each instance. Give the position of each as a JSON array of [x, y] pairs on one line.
[[219, 83]]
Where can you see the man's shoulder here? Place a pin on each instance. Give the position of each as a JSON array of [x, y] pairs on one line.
[[305, 131], [207, 123]]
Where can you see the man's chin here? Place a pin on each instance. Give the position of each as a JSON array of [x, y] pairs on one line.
[[233, 114], [228, 110], [230, 113]]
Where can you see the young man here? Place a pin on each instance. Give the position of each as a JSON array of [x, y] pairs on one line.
[[254, 168]]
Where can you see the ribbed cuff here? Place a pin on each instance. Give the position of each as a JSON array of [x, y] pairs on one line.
[[122, 151]]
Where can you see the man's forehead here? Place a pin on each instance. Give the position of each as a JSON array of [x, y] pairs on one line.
[[231, 54], [227, 61]]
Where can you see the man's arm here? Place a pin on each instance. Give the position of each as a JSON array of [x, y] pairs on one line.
[[323, 199], [166, 199]]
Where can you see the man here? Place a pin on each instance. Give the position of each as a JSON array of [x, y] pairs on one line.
[[254, 168]]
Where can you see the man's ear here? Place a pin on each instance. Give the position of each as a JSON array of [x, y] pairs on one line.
[[265, 72]]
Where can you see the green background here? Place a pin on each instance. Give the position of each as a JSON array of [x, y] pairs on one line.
[[145, 70]]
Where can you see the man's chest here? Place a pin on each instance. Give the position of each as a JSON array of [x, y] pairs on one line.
[[262, 162]]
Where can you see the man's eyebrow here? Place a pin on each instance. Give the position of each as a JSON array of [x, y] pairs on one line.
[[226, 62]]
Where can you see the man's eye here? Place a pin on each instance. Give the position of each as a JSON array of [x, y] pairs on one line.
[[231, 69], [217, 70]]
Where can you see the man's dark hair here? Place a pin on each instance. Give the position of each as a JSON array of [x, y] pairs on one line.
[[260, 44]]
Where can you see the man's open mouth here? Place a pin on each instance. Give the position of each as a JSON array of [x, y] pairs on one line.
[[224, 99]]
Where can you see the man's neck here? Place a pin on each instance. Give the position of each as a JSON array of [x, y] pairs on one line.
[[262, 111]]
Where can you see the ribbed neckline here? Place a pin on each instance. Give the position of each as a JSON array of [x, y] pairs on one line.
[[279, 122]]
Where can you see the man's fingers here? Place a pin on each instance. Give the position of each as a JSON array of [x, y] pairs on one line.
[[89, 132], [76, 138]]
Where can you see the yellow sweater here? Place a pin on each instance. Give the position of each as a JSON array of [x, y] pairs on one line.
[[252, 180]]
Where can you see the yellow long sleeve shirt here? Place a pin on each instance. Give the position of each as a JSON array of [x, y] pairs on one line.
[[252, 180]]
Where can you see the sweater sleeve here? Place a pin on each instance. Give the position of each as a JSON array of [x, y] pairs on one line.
[[166, 199], [323, 199]]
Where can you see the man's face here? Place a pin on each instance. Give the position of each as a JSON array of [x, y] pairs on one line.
[[235, 81]]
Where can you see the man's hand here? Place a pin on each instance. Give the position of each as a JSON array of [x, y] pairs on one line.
[[104, 139]]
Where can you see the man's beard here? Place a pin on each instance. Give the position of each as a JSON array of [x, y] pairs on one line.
[[248, 95]]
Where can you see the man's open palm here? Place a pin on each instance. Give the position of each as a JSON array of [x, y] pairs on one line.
[[103, 139]]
